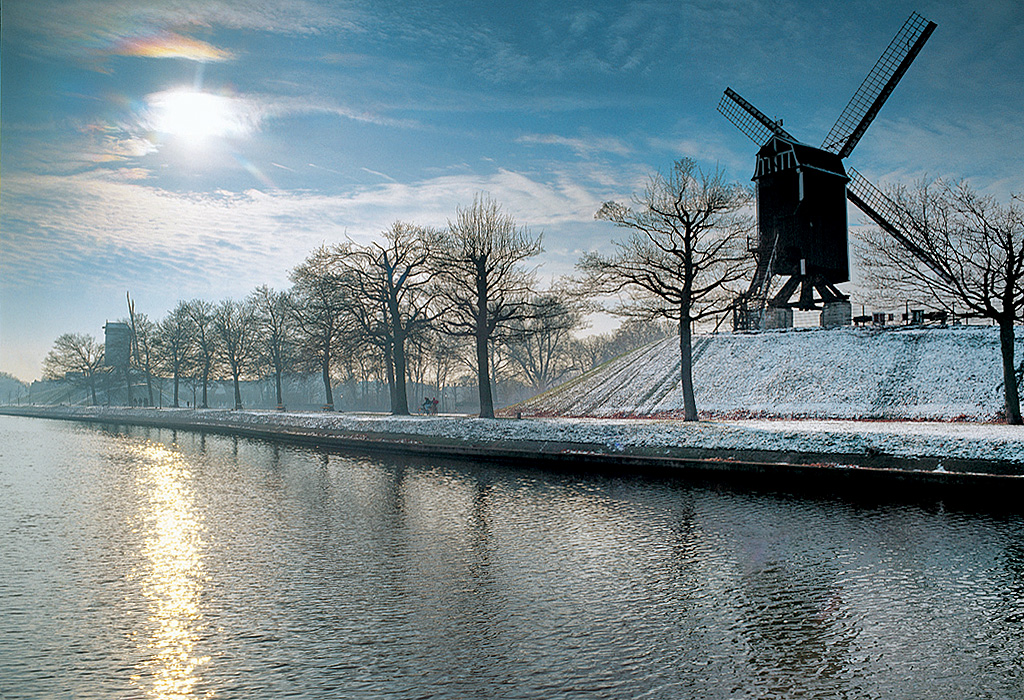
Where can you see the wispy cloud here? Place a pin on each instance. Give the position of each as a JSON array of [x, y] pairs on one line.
[[379, 174], [582, 145], [143, 127], [167, 44], [710, 150], [121, 228], [92, 235], [904, 150], [278, 106], [90, 22]]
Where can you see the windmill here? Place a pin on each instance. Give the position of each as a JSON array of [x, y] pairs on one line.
[[802, 193]]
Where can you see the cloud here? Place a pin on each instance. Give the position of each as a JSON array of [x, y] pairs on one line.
[[709, 150], [583, 146], [90, 23], [166, 44], [124, 230], [379, 174], [146, 126], [985, 150], [73, 244], [278, 106]]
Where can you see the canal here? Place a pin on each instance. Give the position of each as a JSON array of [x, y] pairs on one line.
[[147, 563]]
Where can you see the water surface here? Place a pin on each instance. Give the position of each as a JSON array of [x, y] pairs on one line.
[[149, 563]]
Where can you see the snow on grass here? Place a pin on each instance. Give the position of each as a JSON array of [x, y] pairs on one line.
[[965, 441], [895, 373]]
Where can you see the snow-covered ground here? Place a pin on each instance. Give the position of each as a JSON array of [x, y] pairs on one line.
[[907, 439], [853, 373]]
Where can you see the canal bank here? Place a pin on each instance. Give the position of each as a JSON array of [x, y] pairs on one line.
[[980, 463]]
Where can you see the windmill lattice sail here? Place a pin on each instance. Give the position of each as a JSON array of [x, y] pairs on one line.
[[882, 210], [749, 119], [879, 84]]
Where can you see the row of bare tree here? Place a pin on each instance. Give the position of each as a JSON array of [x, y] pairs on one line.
[[683, 260], [418, 301]]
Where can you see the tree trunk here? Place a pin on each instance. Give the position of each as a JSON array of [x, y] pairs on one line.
[[389, 372], [238, 392], [1010, 392], [206, 380], [400, 397], [92, 388], [686, 367], [483, 369], [483, 375], [326, 371], [176, 378], [280, 394], [149, 380]]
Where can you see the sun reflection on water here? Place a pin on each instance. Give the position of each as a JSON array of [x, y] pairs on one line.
[[171, 576]]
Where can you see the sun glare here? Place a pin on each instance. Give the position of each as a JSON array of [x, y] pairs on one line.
[[197, 115]]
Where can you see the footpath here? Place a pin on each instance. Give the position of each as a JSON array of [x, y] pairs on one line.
[[979, 463]]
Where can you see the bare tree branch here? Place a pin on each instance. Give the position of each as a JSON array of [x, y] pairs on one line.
[[684, 253]]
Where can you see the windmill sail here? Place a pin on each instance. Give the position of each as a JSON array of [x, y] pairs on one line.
[[880, 209], [749, 119], [879, 84]]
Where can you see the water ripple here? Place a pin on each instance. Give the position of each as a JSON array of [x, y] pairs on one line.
[[174, 565]]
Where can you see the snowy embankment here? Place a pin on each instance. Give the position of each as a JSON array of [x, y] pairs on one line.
[[851, 373], [964, 442]]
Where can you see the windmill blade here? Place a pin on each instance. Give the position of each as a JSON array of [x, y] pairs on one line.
[[882, 210], [879, 84], [749, 119]]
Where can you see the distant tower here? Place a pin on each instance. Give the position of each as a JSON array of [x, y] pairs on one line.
[[117, 345]]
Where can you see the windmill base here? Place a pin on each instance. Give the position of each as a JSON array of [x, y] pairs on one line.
[[807, 300], [837, 314], [815, 293], [768, 318], [777, 318]]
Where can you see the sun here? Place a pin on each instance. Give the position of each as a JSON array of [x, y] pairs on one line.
[[191, 114]]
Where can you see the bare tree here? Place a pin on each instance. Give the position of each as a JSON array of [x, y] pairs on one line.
[[200, 315], [320, 309], [142, 340], [393, 279], [541, 344], [439, 359], [174, 346], [685, 249], [974, 248], [588, 352], [274, 325], [11, 387], [482, 284], [235, 325], [75, 354]]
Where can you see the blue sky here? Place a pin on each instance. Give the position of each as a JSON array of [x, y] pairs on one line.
[[320, 120]]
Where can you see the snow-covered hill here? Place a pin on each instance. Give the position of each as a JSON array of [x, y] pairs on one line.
[[908, 373]]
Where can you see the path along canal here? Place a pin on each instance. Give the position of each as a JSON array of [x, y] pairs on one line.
[[147, 562]]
